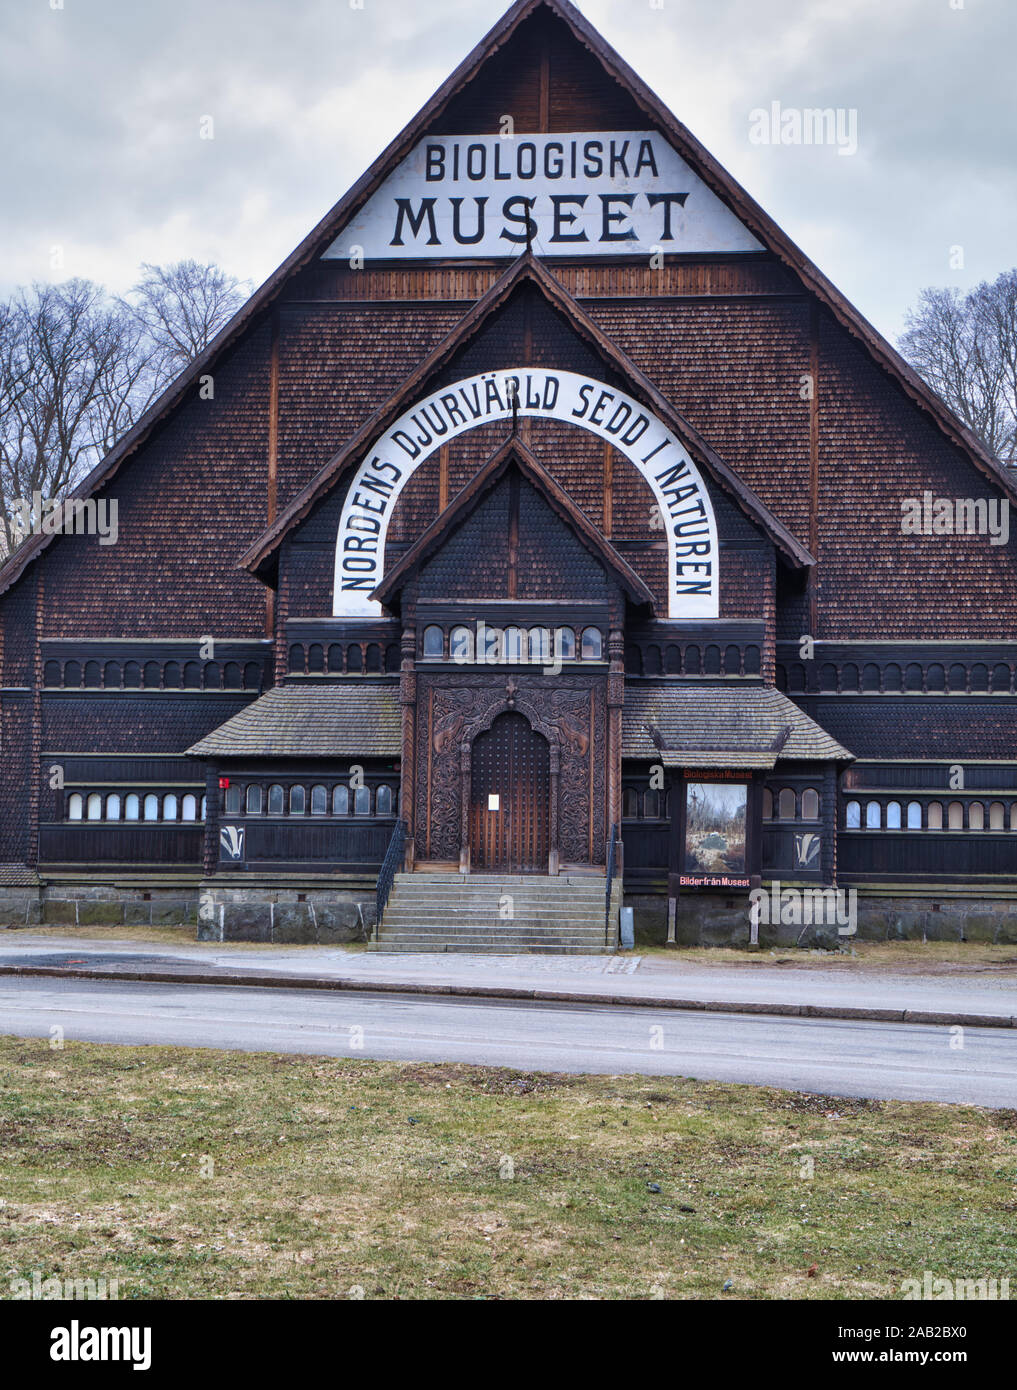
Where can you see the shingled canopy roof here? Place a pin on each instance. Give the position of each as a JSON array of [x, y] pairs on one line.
[[513, 453], [704, 725], [351, 719]]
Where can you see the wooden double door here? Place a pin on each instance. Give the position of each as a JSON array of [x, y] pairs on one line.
[[510, 798]]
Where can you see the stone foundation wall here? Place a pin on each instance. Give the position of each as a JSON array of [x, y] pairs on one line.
[[98, 905], [707, 919], [20, 907], [320, 915]]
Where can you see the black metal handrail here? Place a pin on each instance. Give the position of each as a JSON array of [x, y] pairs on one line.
[[391, 865], [612, 850]]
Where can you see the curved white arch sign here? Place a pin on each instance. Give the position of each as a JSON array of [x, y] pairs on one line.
[[684, 514]]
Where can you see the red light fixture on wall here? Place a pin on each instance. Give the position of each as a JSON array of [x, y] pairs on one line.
[[224, 783]]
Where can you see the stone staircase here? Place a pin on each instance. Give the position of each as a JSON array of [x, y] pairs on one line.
[[467, 912]]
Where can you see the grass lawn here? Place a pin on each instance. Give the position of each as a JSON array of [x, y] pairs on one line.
[[331, 1175], [860, 955]]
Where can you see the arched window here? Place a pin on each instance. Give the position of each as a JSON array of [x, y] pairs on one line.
[[853, 816], [976, 816], [490, 648], [383, 801], [565, 644], [786, 804], [340, 800], [593, 644], [914, 815], [461, 644], [169, 807], [935, 818], [630, 803], [151, 806], [651, 804], [319, 800], [132, 806], [254, 801], [767, 804], [893, 815], [298, 800], [75, 806], [512, 644], [873, 815], [189, 807], [232, 800], [540, 644], [204, 807], [996, 816], [276, 800], [113, 806], [362, 801], [434, 642], [1013, 815], [93, 808], [955, 816], [810, 804]]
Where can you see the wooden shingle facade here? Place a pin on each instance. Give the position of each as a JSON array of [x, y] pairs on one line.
[[545, 519]]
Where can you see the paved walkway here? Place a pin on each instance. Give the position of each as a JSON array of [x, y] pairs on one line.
[[972, 995]]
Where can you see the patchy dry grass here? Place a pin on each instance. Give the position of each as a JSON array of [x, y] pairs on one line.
[[948, 957], [192, 1173]]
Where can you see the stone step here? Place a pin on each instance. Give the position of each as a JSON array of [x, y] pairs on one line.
[[497, 890], [446, 948], [531, 931], [462, 913]]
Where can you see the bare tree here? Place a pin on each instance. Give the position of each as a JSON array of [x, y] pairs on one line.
[[965, 346], [75, 373], [78, 368], [181, 308]]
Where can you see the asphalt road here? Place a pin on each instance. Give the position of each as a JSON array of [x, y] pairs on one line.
[[830, 1056]]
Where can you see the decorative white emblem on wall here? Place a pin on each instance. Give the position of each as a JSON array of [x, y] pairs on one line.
[[685, 514], [231, 841], [806, 850], [592, 193]]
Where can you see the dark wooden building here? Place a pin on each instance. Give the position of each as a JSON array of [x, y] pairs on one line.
[[535, 535]]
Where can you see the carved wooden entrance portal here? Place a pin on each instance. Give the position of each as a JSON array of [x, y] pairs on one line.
[[510, 798]]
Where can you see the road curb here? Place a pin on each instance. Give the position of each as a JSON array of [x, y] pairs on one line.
[[549, 996]]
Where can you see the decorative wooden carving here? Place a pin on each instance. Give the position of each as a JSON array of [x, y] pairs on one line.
[[570, 712]]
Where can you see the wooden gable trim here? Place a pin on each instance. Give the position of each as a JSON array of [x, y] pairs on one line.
[[513, 451], [260, 559]]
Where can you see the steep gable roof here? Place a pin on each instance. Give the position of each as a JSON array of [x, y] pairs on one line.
[[686, 144], [512, 453], [527, 269]]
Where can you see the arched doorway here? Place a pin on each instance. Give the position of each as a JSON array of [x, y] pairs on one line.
[[510, 798]]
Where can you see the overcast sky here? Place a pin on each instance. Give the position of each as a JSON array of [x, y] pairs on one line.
[[101, 103]]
